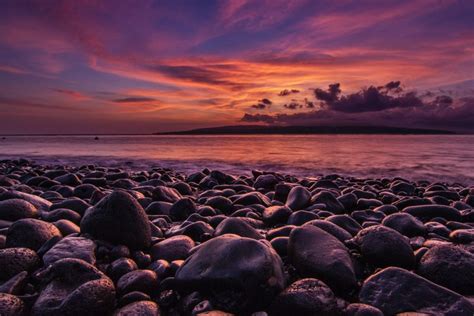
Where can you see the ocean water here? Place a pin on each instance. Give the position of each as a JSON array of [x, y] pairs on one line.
[[447, 158]]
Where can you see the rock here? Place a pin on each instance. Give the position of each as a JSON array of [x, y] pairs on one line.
[[74, 287], [30, 233], [15, 285], [71, 247], [276, 215], [16, 260], [195, 230], [85, 191], [405, 224], [173, 248], [318, 254], [331, 228], [119, 219], [462, 236], [400, 186], [238, 274], [253, 198], [237, 226], [144, 281], [132, 297], [266, 182], [182, 208], [299, 218], [382, 247], [345, 222], [332, 204], [68, 179], [67, 227], [11, 305], [120, 267], [305, 297], [159, 208], [165, 194], [221, 203], [141, 308], [298, 198], [357, 309], [427, 212], [394, 290], [40, 203], [61, 213], [15, 209], [450, 266], [280, 244]]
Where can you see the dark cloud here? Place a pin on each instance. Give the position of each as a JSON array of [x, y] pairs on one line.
[[265, 101], [293, 105], [371, 99], [133, 100], [259, 106], [264, 118], [286, 92], [329, 96]]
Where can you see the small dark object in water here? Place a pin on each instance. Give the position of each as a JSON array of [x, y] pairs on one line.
[[96, 138]]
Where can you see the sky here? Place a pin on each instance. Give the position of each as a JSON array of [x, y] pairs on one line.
[[125, 66]]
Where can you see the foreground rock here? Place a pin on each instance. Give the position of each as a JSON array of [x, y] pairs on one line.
[[238, 274], [394, 290], [318, 254], [120, 219], [30, 233]]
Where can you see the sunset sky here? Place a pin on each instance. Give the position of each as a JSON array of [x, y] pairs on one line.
[[142, 66]]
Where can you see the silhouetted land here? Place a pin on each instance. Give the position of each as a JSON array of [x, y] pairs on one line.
[[261, 129]]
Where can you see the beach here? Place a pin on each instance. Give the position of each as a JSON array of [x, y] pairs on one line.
[[94, 240]]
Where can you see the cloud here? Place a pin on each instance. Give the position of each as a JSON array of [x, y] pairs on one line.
[[259, 106], [293, 105], [133, 100], [286, 92], [73, 94], [265, 101]]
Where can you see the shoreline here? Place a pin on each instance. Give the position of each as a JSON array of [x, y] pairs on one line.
[[173, 243]]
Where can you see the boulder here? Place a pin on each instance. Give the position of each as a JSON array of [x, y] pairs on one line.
[[30, 233]]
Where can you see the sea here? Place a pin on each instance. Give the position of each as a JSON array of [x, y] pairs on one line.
[[442, 158]]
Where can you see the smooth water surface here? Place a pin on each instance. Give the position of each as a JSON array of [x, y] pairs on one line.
[[431, 157]]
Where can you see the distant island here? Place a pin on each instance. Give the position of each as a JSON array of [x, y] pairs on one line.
[[263, 129]]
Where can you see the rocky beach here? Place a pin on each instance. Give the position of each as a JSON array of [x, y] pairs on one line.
[[94, 240]]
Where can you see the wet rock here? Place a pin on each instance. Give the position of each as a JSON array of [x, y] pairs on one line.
[[305, 297], [15, 284], [198, 231], [75, 204], [298, 218], [30, 233], [332, 204], [449, 266], [395, 290], [16, 260], [345, 222], [221, 203], [15, 209], [68, 179], [165, 194], [40, 203], [181, 209], [71, 247], [120, 219], [318, 254], [298, 198], [332, 229], [67, 227], [173, 248], [462, 236], [236, 226], [266, 182], [238, 274], [120, 267], [383, 247]]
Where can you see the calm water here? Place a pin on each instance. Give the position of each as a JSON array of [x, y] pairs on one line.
[[445, 158]]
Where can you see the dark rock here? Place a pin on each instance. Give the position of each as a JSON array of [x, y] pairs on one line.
[[395, 290], [74, 287], [30, 233], [144, 281], [332, 204], [16, 260], [15, 284], [305, 297], [68, 179], [75, 204], [276, 215], [40, 203], [120, 267], [67, 227], [15, 209], [298, 218], [165, 194], [298, 198], [61, 213], [345, 222], [141, 308], [238, 274], [236, 226], [357, 309], [462, 236], [71, 247], [221, 203], [252, 198], [118, 218], [427, 212], [131, 297], [198, 231], [318, 254], [173, 248], [348, 200], [159, 208], [85, 191], [266, 182], [383, 247], [450, 266], [181, 209], [368, 216], [332, 229], [280, 244], [405, 224]]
